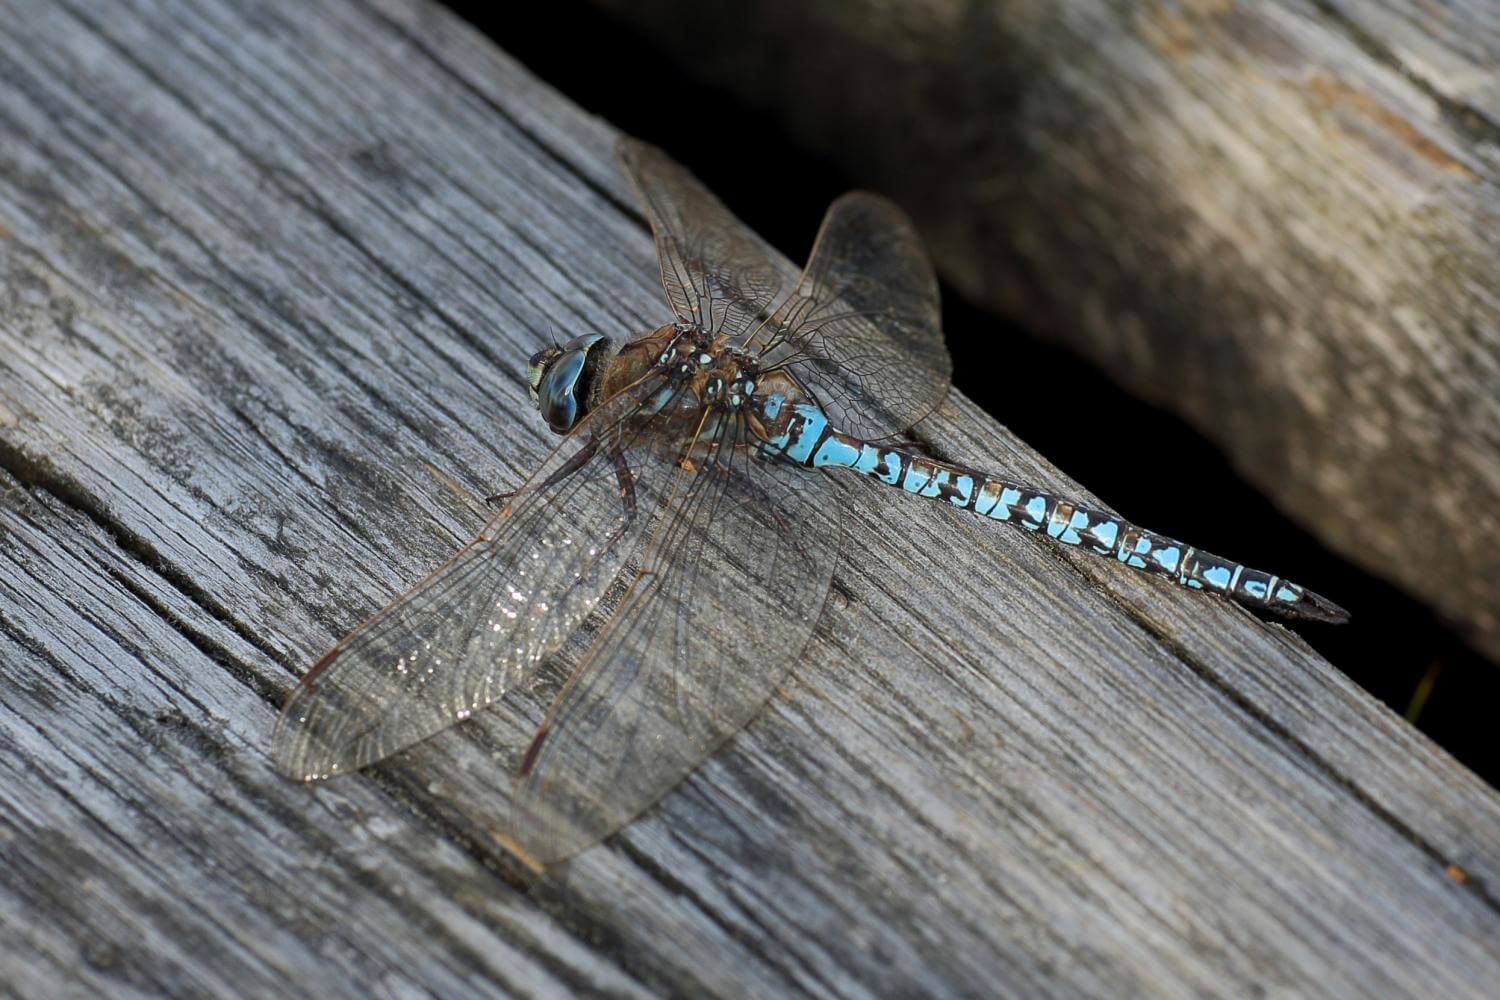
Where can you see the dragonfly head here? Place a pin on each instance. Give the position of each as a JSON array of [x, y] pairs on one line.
[[559, 379]]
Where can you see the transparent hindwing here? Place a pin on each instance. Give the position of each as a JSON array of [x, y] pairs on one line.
[[861, 329], [723, 603], [481, 623]]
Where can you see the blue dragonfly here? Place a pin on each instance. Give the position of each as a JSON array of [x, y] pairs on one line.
[[694, 501]]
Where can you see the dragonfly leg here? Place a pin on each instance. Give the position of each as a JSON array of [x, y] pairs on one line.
[[572, 465], [626, 479], [499, 499]]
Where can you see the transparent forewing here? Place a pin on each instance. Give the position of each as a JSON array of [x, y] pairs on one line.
[[862, 330], [725, 601], [717, 273], [481, 623]]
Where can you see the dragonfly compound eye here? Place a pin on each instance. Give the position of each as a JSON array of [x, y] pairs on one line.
[[713, 388], [559, 379], [536, 367]]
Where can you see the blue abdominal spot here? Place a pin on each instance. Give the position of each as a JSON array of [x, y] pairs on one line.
[[1218, 576]]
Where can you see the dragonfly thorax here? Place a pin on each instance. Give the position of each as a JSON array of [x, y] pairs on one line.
[[719, 374], [731, 382]]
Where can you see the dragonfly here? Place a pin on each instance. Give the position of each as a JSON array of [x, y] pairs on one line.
[[697, 501]]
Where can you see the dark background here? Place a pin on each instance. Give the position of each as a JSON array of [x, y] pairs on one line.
[[1393, 647]]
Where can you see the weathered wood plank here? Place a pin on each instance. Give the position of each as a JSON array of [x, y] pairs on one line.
[[145, 845], [1280, 220], [256, 273]]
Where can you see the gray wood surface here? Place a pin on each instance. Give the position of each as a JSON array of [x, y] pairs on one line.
[[257, 275], [1279, 219]]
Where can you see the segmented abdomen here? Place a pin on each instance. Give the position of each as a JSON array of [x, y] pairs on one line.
[[811, 441]]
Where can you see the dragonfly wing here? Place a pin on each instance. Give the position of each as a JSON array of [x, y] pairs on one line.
[[724, 602], [482, 622], [716, 272], [862, 329]]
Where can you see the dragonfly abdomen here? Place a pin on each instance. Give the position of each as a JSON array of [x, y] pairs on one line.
[[810, 440]]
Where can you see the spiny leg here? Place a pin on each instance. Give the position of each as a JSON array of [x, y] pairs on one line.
[[577, 461]]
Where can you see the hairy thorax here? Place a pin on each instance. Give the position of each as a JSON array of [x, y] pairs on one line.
[[711, 383]]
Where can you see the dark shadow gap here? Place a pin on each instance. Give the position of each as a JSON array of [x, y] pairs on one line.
[[1393, 648]]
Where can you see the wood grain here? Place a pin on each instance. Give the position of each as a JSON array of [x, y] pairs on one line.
[[260, 274], [1280, 220]]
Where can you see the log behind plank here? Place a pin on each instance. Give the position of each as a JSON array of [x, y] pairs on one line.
[[257, 274], [1280, 220]]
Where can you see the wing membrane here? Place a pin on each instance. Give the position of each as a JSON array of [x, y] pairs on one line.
[[716, 272], [483, 621], [725, 601], [862, 329]]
